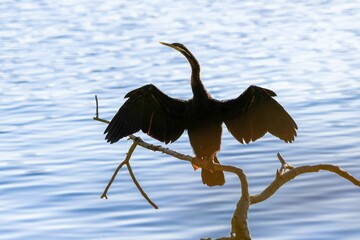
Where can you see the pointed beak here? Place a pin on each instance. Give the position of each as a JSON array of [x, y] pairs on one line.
[[167, 44], [177, 48]]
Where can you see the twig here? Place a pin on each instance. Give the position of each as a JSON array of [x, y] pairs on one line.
[[97, 113], [288, 176], [126, 161], [284, 166], [104, 194], [138, 185], [157, 148]]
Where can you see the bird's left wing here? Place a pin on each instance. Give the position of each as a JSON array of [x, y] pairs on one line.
[[150, 110], [254, 113]]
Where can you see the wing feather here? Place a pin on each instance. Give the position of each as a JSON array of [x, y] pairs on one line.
[[149, 110], [254, 113]]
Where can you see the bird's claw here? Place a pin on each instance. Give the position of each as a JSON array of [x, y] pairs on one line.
[[196, 167], [194, 163], [203, 162]]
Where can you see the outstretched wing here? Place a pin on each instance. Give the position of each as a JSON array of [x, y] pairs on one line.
[[150, 110], [254, 113]]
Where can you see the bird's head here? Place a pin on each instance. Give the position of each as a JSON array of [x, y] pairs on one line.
[[179, 47], [195, 67], [190, 57]]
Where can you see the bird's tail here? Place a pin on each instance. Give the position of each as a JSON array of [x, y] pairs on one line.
[[214, 178]]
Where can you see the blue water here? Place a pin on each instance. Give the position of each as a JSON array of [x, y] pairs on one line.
[[54, 163]]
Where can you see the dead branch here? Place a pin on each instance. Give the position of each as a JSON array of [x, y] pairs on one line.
[[125, 162], [281, 179], [239, 229]]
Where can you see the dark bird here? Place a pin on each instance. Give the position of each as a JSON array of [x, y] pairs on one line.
[[247, 117]]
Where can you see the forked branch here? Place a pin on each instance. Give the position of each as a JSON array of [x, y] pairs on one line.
[[283, 177], [239, 230]]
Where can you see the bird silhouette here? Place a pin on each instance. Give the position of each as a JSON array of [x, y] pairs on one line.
[[247, 117]]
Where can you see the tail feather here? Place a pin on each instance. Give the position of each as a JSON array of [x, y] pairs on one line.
[[214, 178]]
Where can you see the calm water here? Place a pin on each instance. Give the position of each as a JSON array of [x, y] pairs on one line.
[[54, 163]]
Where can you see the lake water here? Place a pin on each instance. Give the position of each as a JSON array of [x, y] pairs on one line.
[[54, 162]]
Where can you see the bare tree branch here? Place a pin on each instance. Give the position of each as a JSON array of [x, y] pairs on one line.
[[125, 162], [139, 187], [97, 112], [239, 230], [291, 174], [284, 165]]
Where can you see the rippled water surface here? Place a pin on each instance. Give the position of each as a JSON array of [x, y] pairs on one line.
[[56, 55]]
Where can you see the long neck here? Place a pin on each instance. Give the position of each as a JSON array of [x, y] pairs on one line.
[[197, 86]]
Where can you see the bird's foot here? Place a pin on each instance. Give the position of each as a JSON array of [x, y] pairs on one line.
[[195, 163], [203, 162], [196, 167]]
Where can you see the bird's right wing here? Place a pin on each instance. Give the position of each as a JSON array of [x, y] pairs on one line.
[[150, 110], [254, 113]]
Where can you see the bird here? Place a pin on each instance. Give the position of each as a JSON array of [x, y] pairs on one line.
[[247, 117]]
